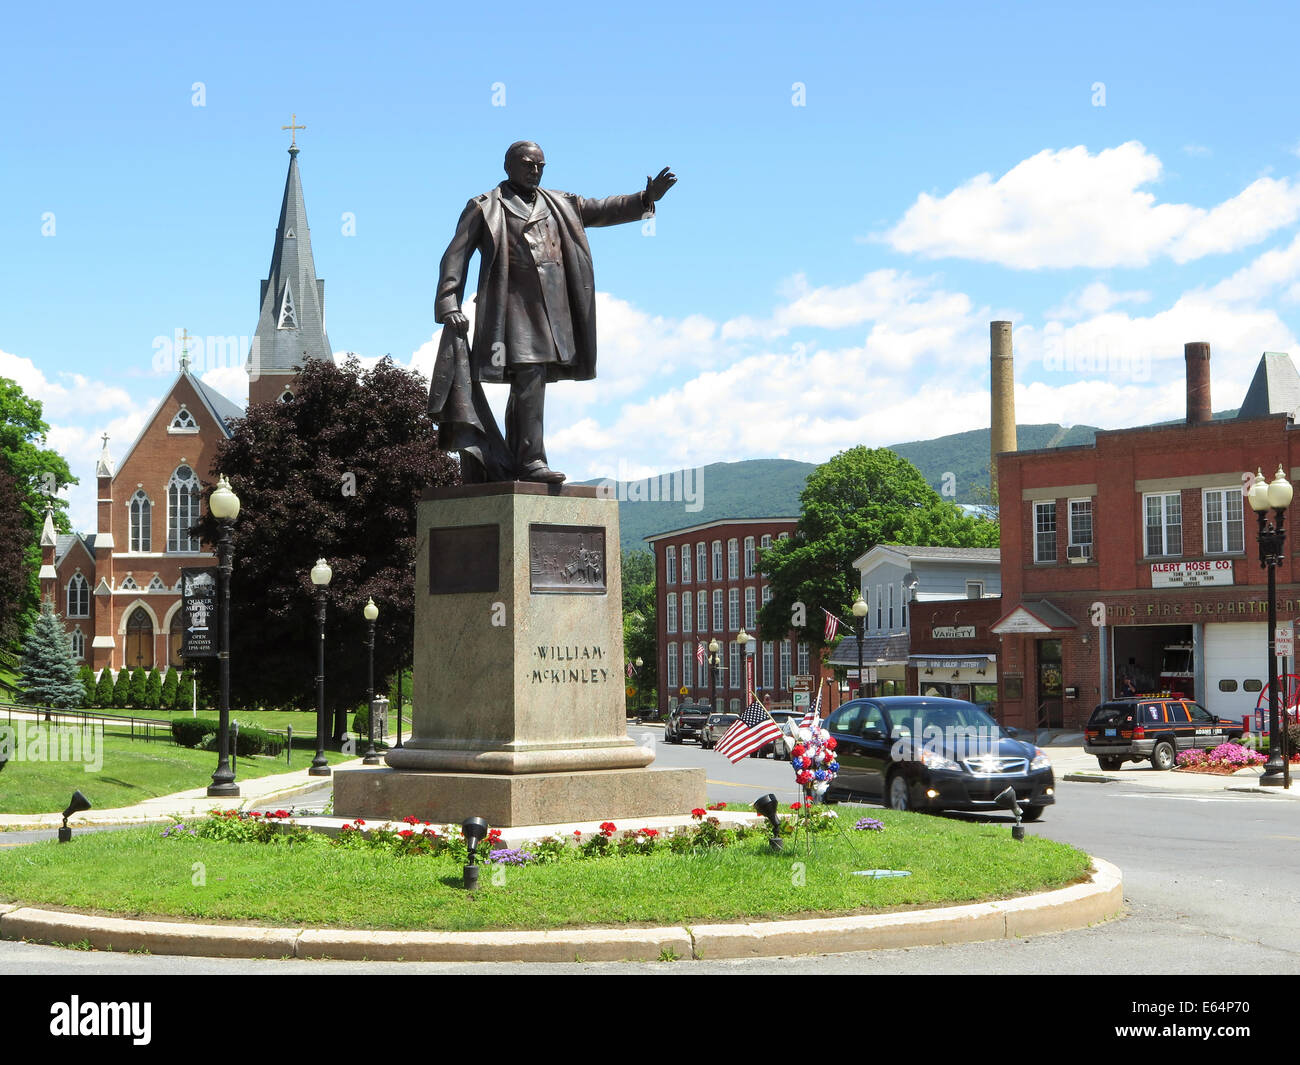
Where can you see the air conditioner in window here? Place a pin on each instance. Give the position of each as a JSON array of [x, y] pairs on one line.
[[1079, 552]]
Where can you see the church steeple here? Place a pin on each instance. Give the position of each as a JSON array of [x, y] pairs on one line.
[[291, 326]]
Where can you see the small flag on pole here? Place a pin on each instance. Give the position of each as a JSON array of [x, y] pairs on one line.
[[631, 669], [699, 652], [832, 625], [752, 730]]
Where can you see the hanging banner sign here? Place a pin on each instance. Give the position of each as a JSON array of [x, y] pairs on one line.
[[199, 611]]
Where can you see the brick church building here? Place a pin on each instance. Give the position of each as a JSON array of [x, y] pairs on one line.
[[118, 590]]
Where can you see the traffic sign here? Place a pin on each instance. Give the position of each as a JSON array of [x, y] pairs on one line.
[[1284, 645]]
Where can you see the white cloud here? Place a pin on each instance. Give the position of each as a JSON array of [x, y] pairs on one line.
[[71, 394], [1070, 208], [1095, 298]]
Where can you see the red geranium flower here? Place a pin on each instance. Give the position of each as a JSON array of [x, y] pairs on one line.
[[358, 821], [411, 819], [697, 813], [404, 832], [253, 813], [608, 828], [796, 806]]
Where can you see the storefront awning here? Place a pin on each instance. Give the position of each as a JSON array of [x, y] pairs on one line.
[[976, 662], [1040, 616]]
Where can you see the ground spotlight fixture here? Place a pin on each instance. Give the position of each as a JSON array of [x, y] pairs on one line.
[[475, 829], [1007, 800], [77, 805], [766, 807]]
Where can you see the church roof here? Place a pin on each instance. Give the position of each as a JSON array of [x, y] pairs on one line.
[[291, 325], [65, 543], [1275, 388], [224, 410]]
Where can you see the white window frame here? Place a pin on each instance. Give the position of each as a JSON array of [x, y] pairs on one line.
[[783, 680], [139, 522], [670, 564], [977, 587], [672, 665], [1166, 525], [75, 610], [749, 556], [733, 610], [751, 609], [733, 559], [670, 624], [769, 666], [179, 542], [717, 610], [716, 561], [735, 664], [701, 562], [688, 611], [702, 611], [686, 563], [1226, 523], [1044, 507], [1076, 541], [803, 657]]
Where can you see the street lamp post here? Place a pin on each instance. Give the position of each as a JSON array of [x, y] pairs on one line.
[[371, 612], [714, 663], [860, 612], [223, 504], [320, 577], [743, 638], [1275, 496]]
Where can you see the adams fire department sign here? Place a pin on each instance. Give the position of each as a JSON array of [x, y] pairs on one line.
[[1209, 573]]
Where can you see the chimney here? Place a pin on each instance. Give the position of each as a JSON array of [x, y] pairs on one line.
[[1002, 417], [1197, 356]]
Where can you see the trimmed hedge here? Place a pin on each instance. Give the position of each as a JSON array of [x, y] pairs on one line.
[[203, 731]]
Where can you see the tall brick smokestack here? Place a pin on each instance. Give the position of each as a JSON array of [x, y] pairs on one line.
[[1197, 356], [1002, 417]]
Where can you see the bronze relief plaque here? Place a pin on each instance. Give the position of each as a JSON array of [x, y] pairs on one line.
[[566, 559], [464, 559]]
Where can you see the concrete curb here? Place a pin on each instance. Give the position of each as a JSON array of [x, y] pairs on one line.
[[1062, 910]]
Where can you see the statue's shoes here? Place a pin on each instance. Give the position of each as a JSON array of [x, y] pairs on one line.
[[544, 474]]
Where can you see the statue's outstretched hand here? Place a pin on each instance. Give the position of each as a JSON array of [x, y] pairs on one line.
[[656, 187], [458, 322]]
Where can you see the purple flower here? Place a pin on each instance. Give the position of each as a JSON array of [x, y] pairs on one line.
[[509, 856], [870, 824]]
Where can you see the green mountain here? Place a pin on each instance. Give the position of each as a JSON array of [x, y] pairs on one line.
[[955, 466]]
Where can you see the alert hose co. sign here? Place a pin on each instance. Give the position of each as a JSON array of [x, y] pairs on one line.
[[199, 607]]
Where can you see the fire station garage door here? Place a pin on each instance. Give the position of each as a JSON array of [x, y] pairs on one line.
[[1234, 667]]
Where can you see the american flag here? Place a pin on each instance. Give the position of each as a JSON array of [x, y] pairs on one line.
[[810, 719], [752, 730], [699, 652], [832, 625], [631, 669]]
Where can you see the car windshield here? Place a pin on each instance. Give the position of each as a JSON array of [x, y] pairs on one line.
[[916, 718]]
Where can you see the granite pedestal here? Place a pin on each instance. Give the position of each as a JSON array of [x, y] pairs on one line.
[[518, 701]]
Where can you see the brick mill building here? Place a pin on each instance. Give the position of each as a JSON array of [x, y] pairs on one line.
[[118, 590], [1136, 556], [708, 586]]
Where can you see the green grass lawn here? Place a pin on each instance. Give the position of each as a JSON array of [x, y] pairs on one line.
[[131, 771], [136, 872], [303, 722]]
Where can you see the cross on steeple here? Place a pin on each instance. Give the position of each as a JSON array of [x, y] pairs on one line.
[[293, 127], [185, 351]]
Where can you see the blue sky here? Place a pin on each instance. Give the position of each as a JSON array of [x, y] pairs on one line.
[[862, 188]]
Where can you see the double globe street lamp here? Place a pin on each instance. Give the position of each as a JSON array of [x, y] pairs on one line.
[[715, 667], [1272, 496], [223, 505], [860, 612], [320, 577]]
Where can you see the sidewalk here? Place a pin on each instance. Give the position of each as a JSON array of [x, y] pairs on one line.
[[259, 791], [1071, 763]]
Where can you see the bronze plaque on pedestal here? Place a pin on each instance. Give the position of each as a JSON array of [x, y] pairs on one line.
[[464, 559], [566, 559]]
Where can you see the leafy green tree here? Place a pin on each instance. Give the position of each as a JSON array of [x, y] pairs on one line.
[[17, 538], [860, 498], [152, 689], [104, 690], [639, 621], [48, 674], [337, 474], [39, 474]]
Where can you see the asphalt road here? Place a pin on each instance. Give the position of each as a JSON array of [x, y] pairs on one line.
[[1212, 885]]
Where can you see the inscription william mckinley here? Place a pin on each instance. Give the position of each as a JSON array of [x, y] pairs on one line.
[[573, 664], [566, 558]]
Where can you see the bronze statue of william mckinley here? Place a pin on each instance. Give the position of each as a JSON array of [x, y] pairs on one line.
[[535, 316]]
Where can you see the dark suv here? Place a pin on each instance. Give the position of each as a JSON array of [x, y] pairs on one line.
[[686, 722], [1155, 728]]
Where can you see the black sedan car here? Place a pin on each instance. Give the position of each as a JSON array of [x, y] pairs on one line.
[[912, 752]]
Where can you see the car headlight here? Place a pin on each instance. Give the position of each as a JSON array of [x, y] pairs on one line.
[[1040, 761], [934, 760]]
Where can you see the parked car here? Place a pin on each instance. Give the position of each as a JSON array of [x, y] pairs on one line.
[[686, 722], [1154, 728], [715, 728], [912, 752]]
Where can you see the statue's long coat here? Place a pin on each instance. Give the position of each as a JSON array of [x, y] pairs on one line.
[[482, 228]]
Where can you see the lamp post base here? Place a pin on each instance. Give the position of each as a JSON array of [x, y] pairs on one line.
[[1274, 777], [221, 791], [318, 771]]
